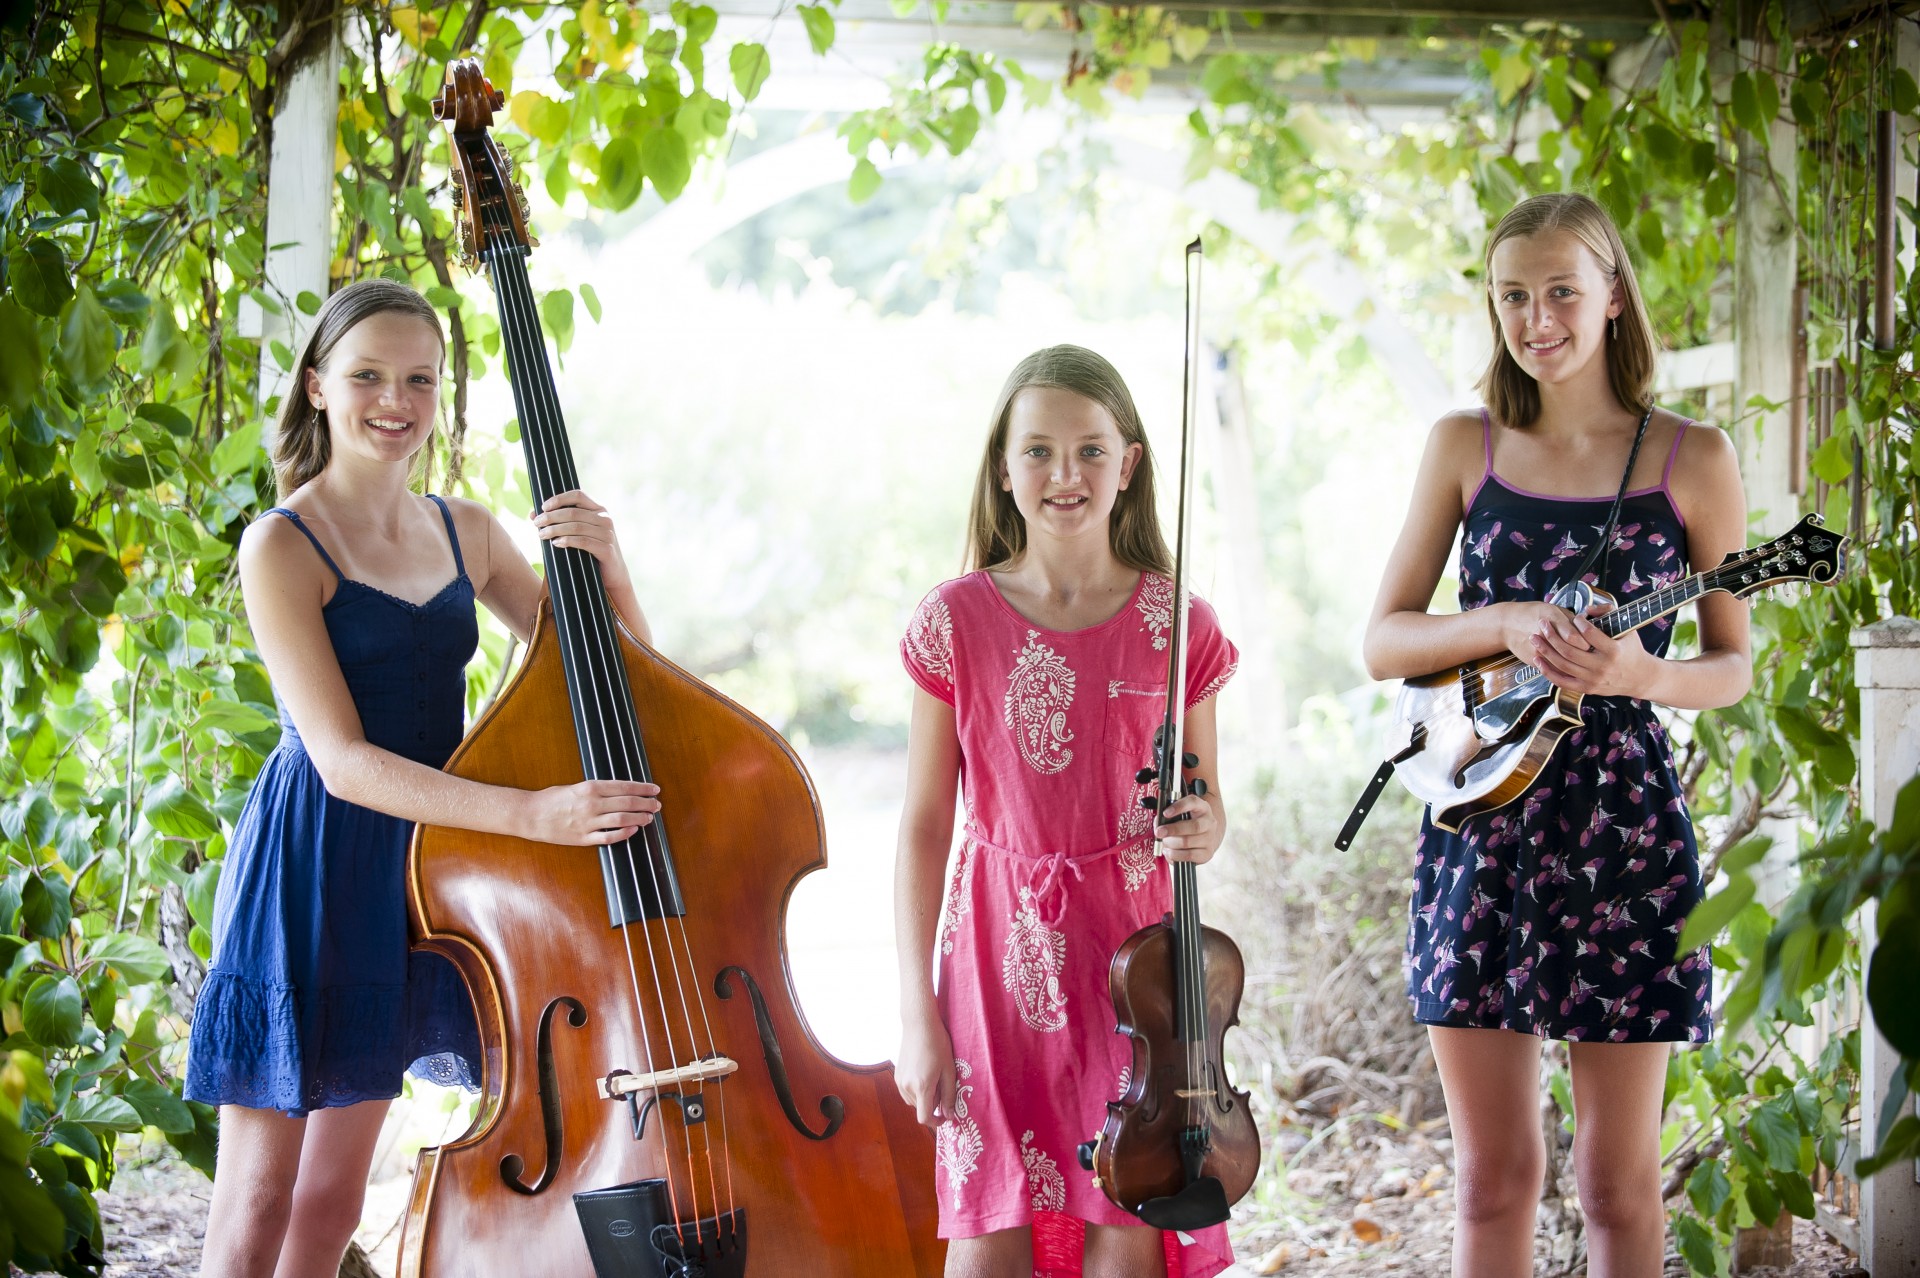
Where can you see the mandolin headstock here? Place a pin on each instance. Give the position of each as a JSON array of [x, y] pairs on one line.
[[1808, 551], [490, 209]]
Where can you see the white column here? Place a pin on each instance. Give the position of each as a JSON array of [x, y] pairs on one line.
[[299, 231], [1764, 274], [1887, 669]]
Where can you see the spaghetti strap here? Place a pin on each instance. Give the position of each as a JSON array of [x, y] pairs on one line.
[[1673, 455], [459, 564], [308, 534]]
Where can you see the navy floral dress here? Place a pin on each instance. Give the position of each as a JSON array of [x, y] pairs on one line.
[[1560, 914]]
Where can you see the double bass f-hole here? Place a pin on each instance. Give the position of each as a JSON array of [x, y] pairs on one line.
[[513, 1165], [831, 1106]]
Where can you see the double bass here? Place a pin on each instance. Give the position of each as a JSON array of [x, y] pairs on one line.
[[653, 1103], [1180, 1147]]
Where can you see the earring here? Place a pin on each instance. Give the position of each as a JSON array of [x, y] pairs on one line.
[[1616, 328], [319, 403]]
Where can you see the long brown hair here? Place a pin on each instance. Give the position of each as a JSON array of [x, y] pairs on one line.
[[996, 531], [1511, 394], [302, 444]]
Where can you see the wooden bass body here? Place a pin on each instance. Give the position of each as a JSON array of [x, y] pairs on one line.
[[832, 1170]]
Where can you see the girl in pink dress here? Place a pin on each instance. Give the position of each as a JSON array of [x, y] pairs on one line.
[[1042, 675]]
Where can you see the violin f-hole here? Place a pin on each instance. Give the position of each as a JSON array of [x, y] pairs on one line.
[[513, 1165], [831, 1106]]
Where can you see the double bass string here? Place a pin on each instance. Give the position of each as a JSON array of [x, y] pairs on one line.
[[573, 595], [575, 577]]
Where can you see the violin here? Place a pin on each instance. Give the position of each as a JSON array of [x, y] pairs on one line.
[[1180, 1148], [652, 1101]]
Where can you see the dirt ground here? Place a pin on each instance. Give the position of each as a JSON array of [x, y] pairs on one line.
[[1353, 1205]]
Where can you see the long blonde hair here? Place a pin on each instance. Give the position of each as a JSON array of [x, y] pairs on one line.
[[996, 531], [1511, 394], [302, 444]]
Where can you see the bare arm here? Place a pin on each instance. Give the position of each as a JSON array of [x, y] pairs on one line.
[[925, 1071], [1707, 490], [1403, 638], [285, 587]]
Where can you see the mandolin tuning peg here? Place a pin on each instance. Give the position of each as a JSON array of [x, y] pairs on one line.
[[1145, 775], [1190, 760]]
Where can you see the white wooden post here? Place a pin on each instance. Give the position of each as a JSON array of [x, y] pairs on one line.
[[299, 230], [1764, 274], [1887, 669]]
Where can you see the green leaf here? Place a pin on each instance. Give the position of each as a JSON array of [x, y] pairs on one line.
[[1906, 94], [592, 300], [863, 182], [51, 1011], [28, 1210], [1796, 1193], [78, 1139], [123, 300], [1901, 1144], [106, 1113], [173, 810], [68, 188], [1833, 460], [233, 717], [46, 906], [664, 153], [235, 453], [1511, 73], [1776, 1135], [1890, 983], [86, 345], [1762, 1201], [749, 65], [21, 360], [1190, 41], [621, 172], [1696, 1245], [137, 960], [37, 274], [167, 417], [819, 24], [1716, 912], [556, 309], [1708, 1188], [159, 1107]]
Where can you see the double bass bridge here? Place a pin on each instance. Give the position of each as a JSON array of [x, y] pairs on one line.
[[677, 1086]]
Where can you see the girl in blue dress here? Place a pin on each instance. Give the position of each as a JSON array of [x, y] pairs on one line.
[[1559, 915], [360, 594]]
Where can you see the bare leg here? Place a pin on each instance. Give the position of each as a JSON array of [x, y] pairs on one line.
[[1005, 1253], [331, 1188], [1124, 1251], [252, 1192], [1617, 1089], [1492, 1079]]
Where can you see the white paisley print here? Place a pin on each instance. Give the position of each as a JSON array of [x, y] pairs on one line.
[[1035, 957], [957, 1143], [959, 895], [930, 638], [1156, 605], [1039, 694], [1136, 834], [1046, 1187]]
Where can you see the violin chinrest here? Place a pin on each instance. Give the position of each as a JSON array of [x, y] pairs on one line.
[[1201, 1204]]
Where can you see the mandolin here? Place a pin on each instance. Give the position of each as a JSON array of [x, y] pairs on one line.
[[1473, 739]]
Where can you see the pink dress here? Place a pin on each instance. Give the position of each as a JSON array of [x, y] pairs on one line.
[[1055, 869]]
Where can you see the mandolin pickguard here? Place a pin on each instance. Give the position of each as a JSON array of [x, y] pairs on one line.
[[1461, 773]]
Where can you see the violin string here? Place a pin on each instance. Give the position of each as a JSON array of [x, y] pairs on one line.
[[630, 761], [573, 594]]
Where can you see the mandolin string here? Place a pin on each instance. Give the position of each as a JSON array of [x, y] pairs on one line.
[[632, 764], [569, 592]]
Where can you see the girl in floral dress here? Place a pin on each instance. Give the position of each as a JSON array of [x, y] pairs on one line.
[[1041, 676], [1559, 915]]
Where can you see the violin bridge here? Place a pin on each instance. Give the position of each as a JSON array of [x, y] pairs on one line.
[[621, 1083]]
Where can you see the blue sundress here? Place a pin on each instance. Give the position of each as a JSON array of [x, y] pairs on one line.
[[313, 999], [1560, 914]]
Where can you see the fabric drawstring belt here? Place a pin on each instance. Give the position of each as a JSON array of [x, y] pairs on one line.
[[1049, 870]]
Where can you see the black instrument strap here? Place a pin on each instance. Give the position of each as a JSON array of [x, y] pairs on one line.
[[1371, 794], [1613, 516]]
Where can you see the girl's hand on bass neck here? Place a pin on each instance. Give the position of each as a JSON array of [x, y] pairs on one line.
[[1577, 655], [587, 814], [574, 519]]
